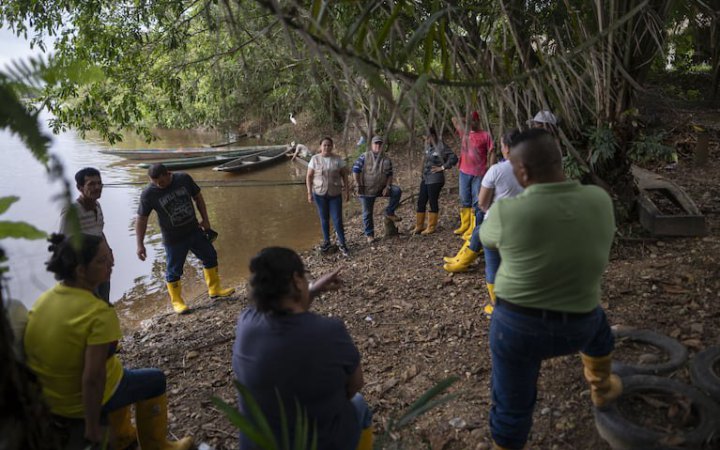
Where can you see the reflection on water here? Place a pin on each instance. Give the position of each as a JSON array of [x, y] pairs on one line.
[[247, 218]]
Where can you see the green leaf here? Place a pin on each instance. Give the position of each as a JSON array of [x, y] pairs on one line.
[[387, 26], [256, 414], [247, 428], [424, 403], [5, 202], [20, 230]]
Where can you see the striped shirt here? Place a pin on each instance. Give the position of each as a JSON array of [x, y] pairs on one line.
[[91, 221]]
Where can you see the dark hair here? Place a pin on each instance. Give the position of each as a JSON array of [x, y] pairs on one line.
[[157, 170], [326, 138], [84, 173], [271, 275], [431, 132], [533, 134], [509, 137], [70, 252]]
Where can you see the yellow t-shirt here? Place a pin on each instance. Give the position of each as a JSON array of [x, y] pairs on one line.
[[61, 323]]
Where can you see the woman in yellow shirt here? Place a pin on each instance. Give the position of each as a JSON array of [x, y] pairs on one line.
[[70, 344]]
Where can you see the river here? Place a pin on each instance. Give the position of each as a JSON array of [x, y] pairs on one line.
[[246, 218]]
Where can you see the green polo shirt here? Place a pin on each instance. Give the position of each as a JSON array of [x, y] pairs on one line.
[[554, 241]]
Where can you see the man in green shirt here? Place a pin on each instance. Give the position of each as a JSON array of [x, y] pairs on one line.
[[554, 241]]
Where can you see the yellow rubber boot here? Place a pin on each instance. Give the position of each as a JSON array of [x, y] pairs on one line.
[[122, 432], [468, 232], [366, 439], [465, 258], [151, 418], [449, 259], [465, 214], [432, 223], [175, 291], [490, 307], [605, 386], [419, 223], [212, 279]]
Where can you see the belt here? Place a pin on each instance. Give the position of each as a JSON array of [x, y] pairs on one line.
[[543, 313]]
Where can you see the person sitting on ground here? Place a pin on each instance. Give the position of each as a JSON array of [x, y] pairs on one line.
[[285, 353], [470, 249], [476, 156], [326, 181], [71, 341], [373, 175], [89, 213], [438, 159], [554, 240]]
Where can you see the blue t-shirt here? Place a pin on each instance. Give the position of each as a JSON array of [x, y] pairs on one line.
[[304, 357]]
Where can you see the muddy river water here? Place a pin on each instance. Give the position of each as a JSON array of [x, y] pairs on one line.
[[247, 218]]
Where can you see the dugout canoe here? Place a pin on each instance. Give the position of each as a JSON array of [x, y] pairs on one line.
[[193, 152], [253, 162], [201, 161]]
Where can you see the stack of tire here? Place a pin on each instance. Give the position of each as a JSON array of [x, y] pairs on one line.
[[704, 396]]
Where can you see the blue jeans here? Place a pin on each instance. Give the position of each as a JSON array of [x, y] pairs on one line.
[[475, 243], [469, 190], [364, 414], [330, 207], [518, 345], [135, 386], [368, 204], [492, 263], [176, 253]]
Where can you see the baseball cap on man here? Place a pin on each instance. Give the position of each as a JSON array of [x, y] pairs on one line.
[[377, 139], [545, 116]]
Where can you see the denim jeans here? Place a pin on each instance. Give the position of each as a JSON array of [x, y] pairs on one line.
[[492, 263], [176, 253], [135, 386], [368, 204], [475, 243], [330, 208], [364, 414], [469, 190], [518, 345]]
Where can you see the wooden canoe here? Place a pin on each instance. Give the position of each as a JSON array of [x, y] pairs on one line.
[[200, 161], [253, 162], [194, 152]]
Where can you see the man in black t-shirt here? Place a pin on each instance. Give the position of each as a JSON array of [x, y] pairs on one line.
[[171, 195]]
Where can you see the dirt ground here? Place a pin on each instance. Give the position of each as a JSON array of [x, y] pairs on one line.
[[415, 325]]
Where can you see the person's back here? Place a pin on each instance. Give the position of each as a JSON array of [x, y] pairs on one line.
[[558, 238], [302, 357]]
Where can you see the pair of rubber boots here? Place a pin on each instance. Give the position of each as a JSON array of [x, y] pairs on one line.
[[151, 432], [460, 262], [420, 223], [212, 279], [467, 223]]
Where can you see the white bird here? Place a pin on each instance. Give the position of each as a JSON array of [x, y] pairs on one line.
[[292, 119]]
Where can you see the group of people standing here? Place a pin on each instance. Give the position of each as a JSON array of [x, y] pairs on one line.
[[553, 236]]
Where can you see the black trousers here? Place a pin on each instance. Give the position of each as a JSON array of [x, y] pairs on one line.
[[429, 193]]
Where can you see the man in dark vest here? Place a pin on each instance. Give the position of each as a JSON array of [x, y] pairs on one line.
[[554, 241], [373, 175]]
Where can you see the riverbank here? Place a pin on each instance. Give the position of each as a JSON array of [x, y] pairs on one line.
[[415, 325]]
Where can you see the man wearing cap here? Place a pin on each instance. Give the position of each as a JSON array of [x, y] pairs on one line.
[[476, 156], [554, 240], [373, 175], [546, 120], [172, 196]]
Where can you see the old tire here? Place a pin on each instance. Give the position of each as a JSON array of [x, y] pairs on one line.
[[703, 373], [676, 352], [622, 434]]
